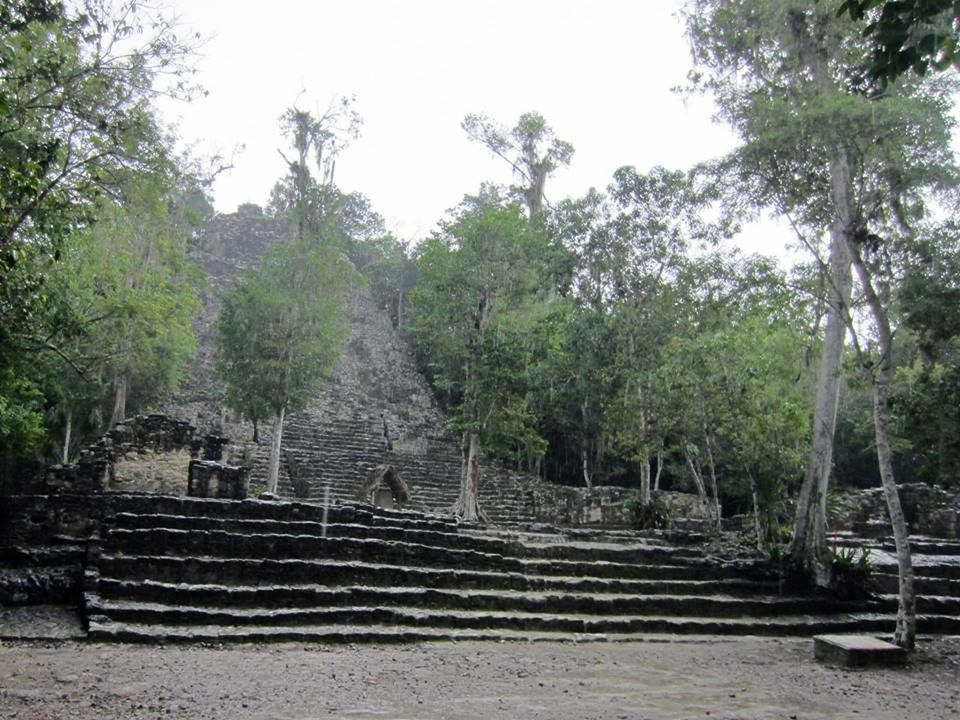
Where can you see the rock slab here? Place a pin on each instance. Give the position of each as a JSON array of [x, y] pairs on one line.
[[857, 651]]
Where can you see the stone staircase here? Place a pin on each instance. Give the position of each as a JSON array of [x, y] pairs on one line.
[[341, 435], [936, 567], [170, 568], [340, 455]]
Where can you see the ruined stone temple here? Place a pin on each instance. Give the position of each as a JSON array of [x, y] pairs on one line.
[[151, 536], [376, 409]]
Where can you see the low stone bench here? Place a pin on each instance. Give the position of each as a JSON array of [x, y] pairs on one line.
[[857, 651]]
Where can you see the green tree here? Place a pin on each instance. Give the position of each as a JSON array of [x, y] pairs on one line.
[[927, 387], [75, 89], [628, 250], [76, 84], [314, 204], [908, 35], [530, 147], [734, 406], [481, 287], [836, 160], [280, 333]]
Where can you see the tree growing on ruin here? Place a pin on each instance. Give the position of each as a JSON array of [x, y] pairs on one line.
[[310, 200], [480, 288], [531, 148], [280, 333]]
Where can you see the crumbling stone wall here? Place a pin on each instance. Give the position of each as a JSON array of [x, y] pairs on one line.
[[144, 454], [562, 505], [928, 511]]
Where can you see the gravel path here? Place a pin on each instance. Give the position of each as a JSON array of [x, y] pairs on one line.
[[709, 678]]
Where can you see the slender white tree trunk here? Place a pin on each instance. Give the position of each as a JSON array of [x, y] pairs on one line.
[[697, 477], [645, 480], [881, 377], [274, 475], [906, 630], [757, 525], [67, 430], [586, 467], [119, 412], [467, 507], [656, 478], [714, 485], [810, 524]]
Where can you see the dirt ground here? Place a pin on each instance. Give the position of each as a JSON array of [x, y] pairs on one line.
[[704, 678]]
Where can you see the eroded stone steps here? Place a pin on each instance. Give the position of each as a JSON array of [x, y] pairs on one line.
[[924, 567], [558, 595], [339, 456], [406, 554], [416, 627], [264, 570], [935, 586], [213, 509], [298, 604], [455, 618], [386, 527], [919, 544], [259, 538], [927, 603], [246, 571]]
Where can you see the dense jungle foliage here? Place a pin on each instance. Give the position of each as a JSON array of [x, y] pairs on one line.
[[613, 338]]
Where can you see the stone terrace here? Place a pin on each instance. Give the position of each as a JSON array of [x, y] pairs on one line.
[[186, 569]]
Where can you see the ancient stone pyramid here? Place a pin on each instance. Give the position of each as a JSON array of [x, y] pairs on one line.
[[377, 408]]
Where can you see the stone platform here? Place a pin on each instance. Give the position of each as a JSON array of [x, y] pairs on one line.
[[857, 651]]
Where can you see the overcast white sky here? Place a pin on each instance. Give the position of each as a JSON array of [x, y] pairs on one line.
[[600, 71]]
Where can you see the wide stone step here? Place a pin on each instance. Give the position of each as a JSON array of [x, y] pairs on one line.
[[889, 583], [417, 625], [332, 634], [257, 537], [387, 529], [558, 601], [925, 566], [310, 594], [216, 543], [927, 604], [244, 571], [267, 510]]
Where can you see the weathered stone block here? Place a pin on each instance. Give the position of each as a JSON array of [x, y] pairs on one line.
[[212, 479], [857, 651]]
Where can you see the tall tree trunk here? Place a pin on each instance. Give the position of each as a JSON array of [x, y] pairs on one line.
[[714, 485], [274, 475], [584, 453], [67, 430], [645, 480], [906, 630], [810, 524], [586, 466], [697, 476], [881, 378], [656, 478], [467, 507], [757, 525], [119, 412]]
